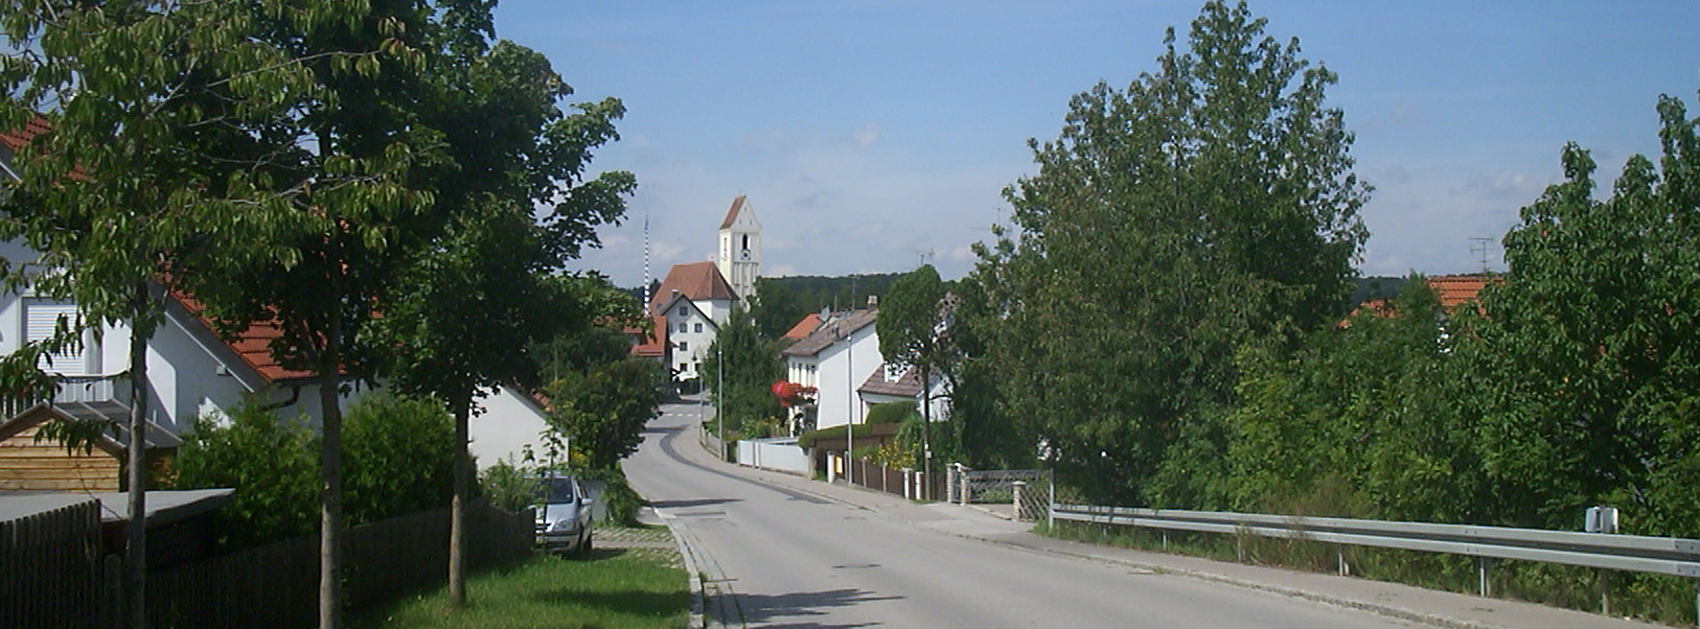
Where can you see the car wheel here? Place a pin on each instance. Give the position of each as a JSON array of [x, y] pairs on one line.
[[586, 546]]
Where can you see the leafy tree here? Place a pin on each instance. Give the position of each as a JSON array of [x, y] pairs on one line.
[[1361, 421], [487, 276], [782, 301], [359, 161], [912, 329], [148, 165], [605, 409], [746, 366], [1207, 206], [1586, 352]]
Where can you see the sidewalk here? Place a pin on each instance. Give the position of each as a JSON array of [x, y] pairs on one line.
[[1431, 607]]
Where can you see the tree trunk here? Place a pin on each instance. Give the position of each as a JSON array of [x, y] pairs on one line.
[[457, 510], [135, 530], [330, 476]]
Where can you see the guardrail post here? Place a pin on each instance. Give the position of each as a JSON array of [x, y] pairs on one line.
[[1484, 565], [920, 485], [908, 476], [1016, 489], [1340, 555]]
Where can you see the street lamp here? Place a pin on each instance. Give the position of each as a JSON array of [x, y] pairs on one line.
[[849, 400], [720, 392]]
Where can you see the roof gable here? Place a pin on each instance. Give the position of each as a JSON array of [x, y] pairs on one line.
[[829, 333], [798, 332], [696, 280]]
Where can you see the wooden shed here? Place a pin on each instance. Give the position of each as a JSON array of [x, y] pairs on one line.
[[30, 465]]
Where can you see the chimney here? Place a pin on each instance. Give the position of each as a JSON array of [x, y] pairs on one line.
[[873, 302]]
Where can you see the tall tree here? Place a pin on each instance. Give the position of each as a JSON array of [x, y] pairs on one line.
[[358, 157], [911, 325], [145, 165], [742, 366], [510, 148], [1207, 205], [1587, 350]]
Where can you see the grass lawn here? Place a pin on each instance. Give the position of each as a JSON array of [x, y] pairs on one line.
[[613, 588]]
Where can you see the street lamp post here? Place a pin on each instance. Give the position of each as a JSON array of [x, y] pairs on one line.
[[719, 393], [849, 403]]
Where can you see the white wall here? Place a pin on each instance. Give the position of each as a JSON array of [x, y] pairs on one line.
[[511, 421], [858, 359], [774, 454], [696, 343]]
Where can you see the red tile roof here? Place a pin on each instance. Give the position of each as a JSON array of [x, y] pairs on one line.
[[696, 280], [252, 345], [15, 140], [824, 336], [1450, 290], [803, 328], [1456, 290], [654, 343], [732, 212]]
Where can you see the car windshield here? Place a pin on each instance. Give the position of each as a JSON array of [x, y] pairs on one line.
[[555, 490]]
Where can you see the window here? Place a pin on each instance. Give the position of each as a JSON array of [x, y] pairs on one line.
[[699, 328], [683, 326], [682, 366], [682, 346], [682, 311]]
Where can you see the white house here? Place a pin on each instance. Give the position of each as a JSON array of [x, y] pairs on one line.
[[903, 384], [691, 305], [836, 359]]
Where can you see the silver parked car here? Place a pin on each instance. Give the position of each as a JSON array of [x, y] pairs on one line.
[[563, 515]]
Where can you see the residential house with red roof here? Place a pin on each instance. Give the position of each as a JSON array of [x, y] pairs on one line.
[[192, 372], [839, 356]]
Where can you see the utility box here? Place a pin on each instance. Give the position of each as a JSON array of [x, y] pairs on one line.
[[1600, 520]]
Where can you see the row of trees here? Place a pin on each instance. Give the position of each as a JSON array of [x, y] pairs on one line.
[[312, 164], [1166, 322]]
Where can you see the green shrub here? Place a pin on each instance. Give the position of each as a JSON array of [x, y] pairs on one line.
[[273, 466], [891, 412], [618, 498], [807, 440], [398, 457], [508, 486]]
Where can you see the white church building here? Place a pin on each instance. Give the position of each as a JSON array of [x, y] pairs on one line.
[[696, 298]]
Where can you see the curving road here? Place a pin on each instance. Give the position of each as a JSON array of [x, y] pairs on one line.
[[789, 558]]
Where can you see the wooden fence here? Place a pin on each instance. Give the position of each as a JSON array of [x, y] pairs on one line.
[[890, 481], [275, 585], [50, 569]]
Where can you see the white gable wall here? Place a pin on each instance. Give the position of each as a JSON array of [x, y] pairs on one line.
[[842, 367]]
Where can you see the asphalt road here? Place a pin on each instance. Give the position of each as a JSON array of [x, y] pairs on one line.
[[792, 559]]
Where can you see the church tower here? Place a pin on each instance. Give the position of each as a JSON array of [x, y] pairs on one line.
[[740, 249]]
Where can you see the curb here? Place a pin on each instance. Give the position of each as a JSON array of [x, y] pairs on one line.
[[687, 555]]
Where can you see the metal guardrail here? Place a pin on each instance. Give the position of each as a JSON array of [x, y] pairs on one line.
[[1635, 553]]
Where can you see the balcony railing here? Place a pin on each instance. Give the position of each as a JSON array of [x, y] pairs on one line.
[[73, 390]]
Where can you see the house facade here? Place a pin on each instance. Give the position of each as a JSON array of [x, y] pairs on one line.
[[689, 308], [835, 359]]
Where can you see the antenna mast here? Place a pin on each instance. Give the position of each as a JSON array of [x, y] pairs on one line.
[[646, 263], [1481, 246]]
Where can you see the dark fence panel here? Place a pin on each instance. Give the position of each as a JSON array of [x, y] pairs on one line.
[[50, 568], [277, 585], [890, 481]]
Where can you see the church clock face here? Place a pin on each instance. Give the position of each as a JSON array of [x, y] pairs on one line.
[[744, 255]]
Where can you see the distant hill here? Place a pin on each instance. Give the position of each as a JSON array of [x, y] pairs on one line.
[[782, 301], [1375, 287]]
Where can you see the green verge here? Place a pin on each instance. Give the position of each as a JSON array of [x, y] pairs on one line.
[[611, 589], [1651, 597]]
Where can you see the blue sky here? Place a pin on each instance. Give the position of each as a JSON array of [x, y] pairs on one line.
[[865, 133]]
